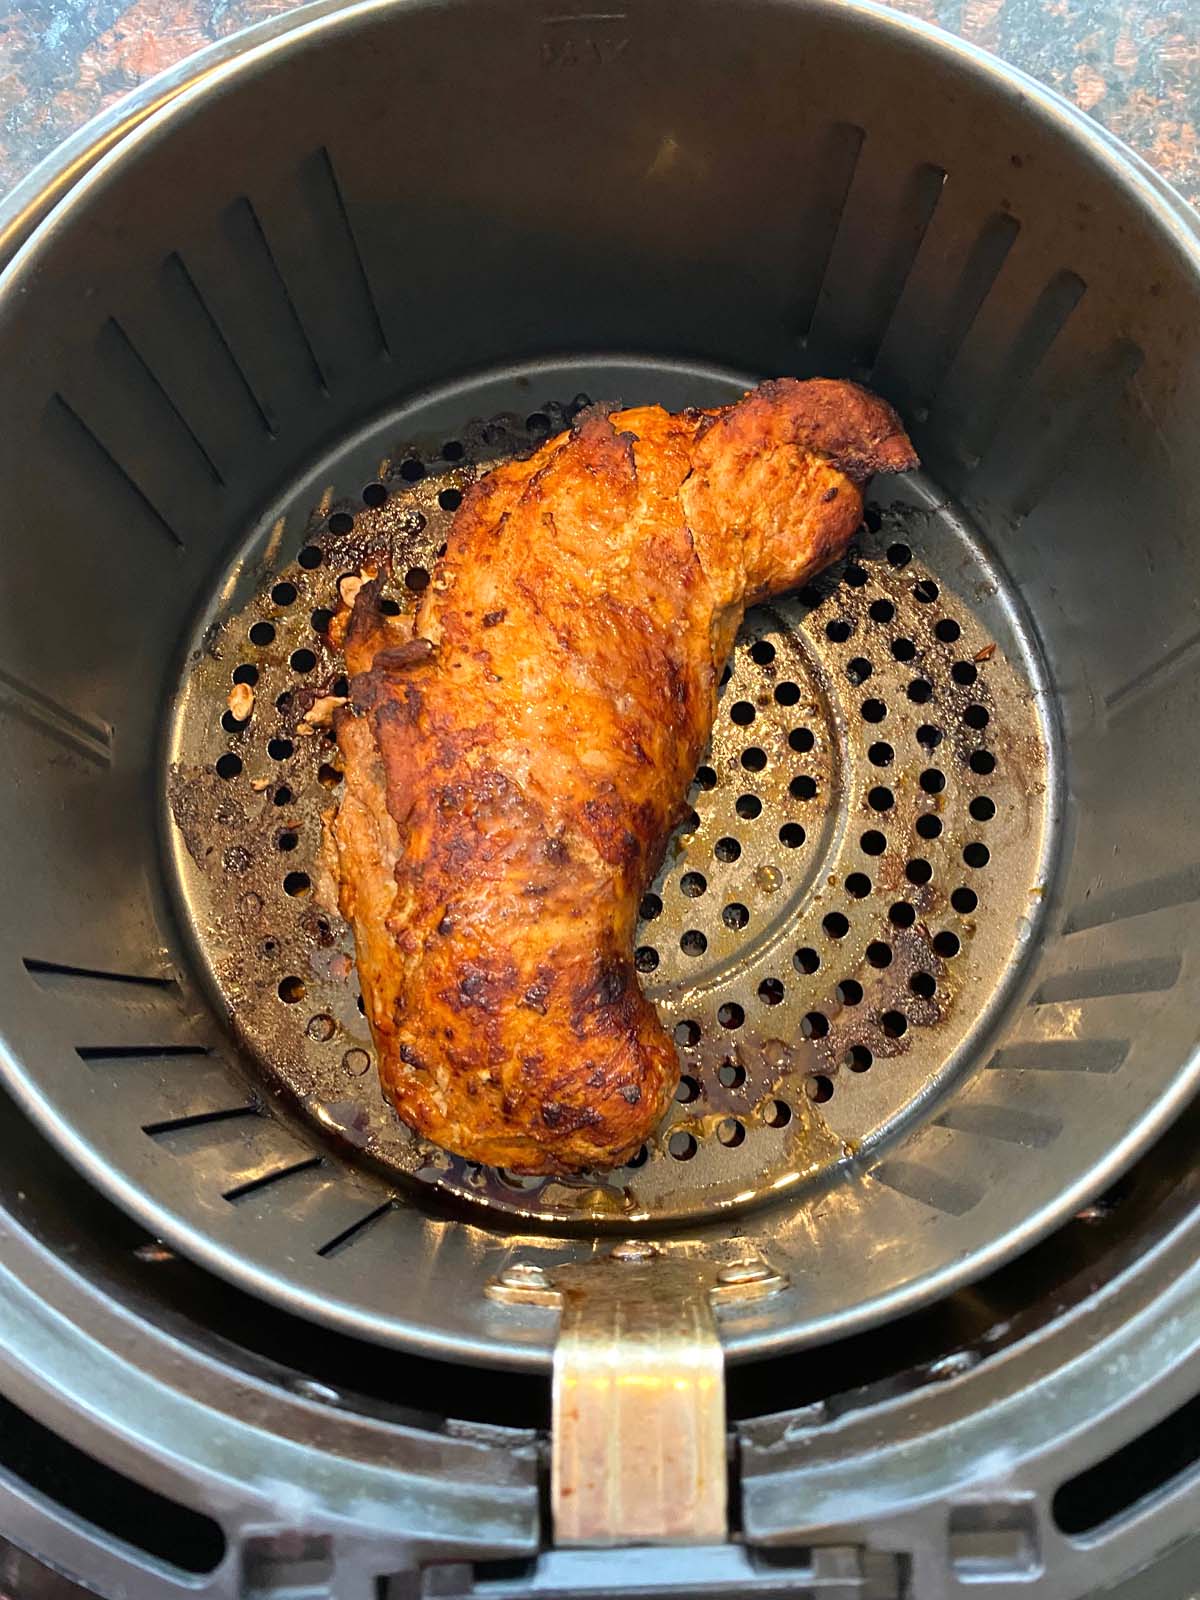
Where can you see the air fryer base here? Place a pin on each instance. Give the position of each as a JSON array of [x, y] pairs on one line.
[[305, 1459]]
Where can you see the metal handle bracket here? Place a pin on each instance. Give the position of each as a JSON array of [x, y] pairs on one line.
[[638, 1448]]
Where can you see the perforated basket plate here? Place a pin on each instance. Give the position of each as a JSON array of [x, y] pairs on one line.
[[863, 858]]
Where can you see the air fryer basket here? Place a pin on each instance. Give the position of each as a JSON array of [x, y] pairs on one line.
[[407, 227]]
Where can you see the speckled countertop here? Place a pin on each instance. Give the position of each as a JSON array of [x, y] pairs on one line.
[[1133, 64]]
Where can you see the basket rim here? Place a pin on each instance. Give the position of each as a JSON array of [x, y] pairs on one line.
[[43, 202]]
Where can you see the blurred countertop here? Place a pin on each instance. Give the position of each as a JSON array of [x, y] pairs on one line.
[[1134, 65]]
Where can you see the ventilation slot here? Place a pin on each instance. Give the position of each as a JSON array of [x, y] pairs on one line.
[[927, 1187], [1062, 1055], [125, 406], [1177, 658], [292, 1169], [245, 229], [149, 408], [233, 1152], [934, 316], [88, 737], [73, 432], [181, 339], [55, 977], [316, 254], [1042, 326], [996, 1541], [237, 280], [885, 219], [1154, 975], [1010, 1124], [1135, 900], [106, 1500], [199, 1119], [921, 196], [326, 203], [1145, 1466], [1056, 431], [137, 1052], [351, 1235], [834, 166]]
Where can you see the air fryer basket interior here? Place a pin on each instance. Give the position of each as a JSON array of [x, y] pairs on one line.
[[403, 219]]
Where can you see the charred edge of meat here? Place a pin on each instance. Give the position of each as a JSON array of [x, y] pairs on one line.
[[854, 429]]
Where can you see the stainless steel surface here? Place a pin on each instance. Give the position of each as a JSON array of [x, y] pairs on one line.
[[638, 1433], [1037, 1376], [989, 1436], [713, 1572], [638, 1452], [177, 418], [253, 937], [1033, 315]]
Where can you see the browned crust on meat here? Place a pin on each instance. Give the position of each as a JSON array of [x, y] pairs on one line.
[[517, 757], [855, 430]]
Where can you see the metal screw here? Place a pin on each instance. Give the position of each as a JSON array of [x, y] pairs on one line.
[[312, 1390], [154, 1253], [953, 1365], [745, 1272], [523, 1275], [633, 1250]]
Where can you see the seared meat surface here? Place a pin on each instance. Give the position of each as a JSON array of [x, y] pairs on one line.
[[517, 754]]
